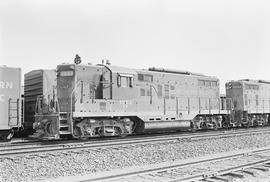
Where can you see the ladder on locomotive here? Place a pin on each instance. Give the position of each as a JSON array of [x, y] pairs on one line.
[[65, 120], [13, 112], [65, 124]]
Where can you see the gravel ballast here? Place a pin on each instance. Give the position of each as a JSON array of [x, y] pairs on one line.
[[56, 164]]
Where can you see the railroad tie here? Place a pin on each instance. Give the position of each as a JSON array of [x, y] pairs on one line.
[[221, 178], [261, 168], [236, 174], [267, 165], [248, 172], [209, 180]]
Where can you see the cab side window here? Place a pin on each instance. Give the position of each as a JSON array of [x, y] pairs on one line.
[[125, 80]]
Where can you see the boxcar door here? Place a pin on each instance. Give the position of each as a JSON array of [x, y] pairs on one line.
[[13, 111]]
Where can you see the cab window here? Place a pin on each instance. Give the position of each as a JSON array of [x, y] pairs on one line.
[[125, 80]]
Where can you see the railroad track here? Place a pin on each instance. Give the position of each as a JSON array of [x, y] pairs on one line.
[[211, 168], [25, 141], [21, 148]]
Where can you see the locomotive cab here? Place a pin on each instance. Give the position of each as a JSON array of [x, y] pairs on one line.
[[100, 92]]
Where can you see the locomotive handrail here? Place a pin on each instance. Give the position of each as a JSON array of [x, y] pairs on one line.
[[151, 95], [71, 95], [39, 106], [219, 102], [71, 112], [9, 117], [22, 112], [18, 111], [199, 105]]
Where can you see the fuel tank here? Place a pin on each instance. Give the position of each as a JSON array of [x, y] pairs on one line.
[[164, 126]]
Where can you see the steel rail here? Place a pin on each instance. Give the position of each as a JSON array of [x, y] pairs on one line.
[[124, 175], [9, 151], [25, 141], [31, 142], [224, 171], [221, 172]]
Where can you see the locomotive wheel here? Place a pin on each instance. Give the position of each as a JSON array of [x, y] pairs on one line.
[[193, 128], [49, 128], [120, 132], [123, 135], [78, 133], [6, 135], [263, 121], [260, 122], [215, 126], [245, 125]]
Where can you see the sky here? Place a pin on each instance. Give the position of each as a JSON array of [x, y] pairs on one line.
[[229, 39]]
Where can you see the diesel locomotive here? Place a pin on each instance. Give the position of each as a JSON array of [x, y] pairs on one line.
[[105, 100], [82, 101], [251, 102]]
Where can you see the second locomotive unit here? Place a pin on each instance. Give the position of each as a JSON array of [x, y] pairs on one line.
[[251, 101], [105, 100]]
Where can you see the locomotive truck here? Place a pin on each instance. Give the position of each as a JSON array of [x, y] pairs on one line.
[[106, 100]]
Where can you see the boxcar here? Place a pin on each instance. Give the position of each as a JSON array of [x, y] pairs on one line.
[[10, 101]]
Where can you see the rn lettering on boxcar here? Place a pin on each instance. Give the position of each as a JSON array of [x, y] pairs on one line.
[[5, 85]]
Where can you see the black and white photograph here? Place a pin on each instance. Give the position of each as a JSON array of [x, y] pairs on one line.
[[134, 91]]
